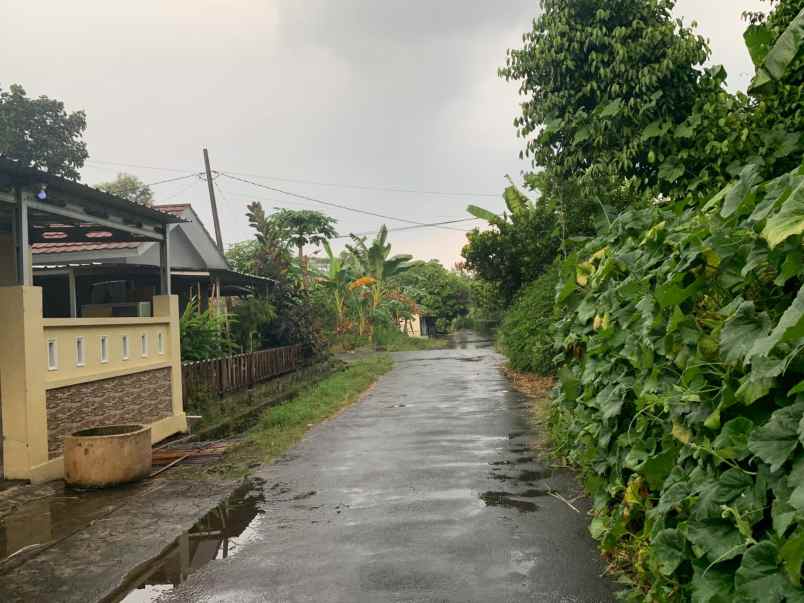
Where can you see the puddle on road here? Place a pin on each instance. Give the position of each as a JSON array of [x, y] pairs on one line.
[[221, 533], [509, 500], [40, 521]]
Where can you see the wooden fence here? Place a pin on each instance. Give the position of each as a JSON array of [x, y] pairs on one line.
[[220, 376]]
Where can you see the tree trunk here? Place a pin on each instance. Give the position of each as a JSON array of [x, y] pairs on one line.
[[303, 266]]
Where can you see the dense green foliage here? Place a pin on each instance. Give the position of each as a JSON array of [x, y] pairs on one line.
[[682, 389], [680, 333], [242, 256], [252, 321], [300, 227], [437, 292], [39, 133], [602, 78], [525, 333], [203, 333], [129, 187], [519, 247]]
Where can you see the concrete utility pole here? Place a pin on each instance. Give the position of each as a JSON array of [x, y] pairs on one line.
[[215, 219]]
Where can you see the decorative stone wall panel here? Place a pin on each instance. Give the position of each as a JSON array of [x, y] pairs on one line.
[[137, 398]]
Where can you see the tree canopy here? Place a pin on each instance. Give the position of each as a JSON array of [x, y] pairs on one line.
[[602, 79], [129, 187], [40, 133], [304, 226]]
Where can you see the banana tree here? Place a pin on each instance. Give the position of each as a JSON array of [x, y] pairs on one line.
[[374, 261], [337, 280], [516, 202]]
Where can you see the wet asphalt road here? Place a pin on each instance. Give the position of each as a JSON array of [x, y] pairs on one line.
[[425, 490]]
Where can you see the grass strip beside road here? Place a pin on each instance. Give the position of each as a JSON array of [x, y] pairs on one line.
[[282, 426]]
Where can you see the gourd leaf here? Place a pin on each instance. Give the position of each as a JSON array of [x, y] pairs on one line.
[[759, 578], [749, 177], [775, 441], [741, 331], [788, 221], [732, 441], [669, 550], [717, 539], [789, 327]]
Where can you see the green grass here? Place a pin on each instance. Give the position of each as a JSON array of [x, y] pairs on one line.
[[387, 339], [281, 427]]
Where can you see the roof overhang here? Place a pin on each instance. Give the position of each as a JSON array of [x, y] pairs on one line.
[[62, 210]]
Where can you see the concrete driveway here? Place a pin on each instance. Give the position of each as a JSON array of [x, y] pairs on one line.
[[426, 490]]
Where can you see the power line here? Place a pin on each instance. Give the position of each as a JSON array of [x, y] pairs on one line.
[[331, 204], [178, 192], [404, 228], [134, 165], [278, 205], [134, 189], [368, 187]]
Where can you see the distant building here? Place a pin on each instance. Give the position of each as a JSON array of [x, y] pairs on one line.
[[418, 326]]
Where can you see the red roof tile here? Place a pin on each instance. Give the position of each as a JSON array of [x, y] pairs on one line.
[[73, 247], [174, 209]]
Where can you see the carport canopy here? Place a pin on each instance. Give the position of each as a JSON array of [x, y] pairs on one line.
[[36, 206]]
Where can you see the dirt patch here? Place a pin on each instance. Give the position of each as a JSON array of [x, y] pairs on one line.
[[539, 390]]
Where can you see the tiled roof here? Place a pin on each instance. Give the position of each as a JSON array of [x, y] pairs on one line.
[[72, 247], [175, 209]]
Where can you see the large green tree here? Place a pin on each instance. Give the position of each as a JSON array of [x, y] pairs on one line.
[[129, 187], [521, 243], [269, 256], [304, 227], [600, 80], [40, 133]]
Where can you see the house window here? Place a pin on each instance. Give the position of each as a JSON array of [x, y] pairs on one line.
[[80, 352], [125, 347], [52, 354], [144, 344], [160, 343], [104, 349]]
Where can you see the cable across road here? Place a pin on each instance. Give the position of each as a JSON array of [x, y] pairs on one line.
[[366, 187], [442, 225]]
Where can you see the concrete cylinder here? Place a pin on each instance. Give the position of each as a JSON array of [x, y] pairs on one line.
[[106, 456]]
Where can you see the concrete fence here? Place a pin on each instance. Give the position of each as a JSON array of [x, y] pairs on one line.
[[61, 375]]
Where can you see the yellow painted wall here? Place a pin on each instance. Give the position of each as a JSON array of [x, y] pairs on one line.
[[24, 374], [22, 388], [412, 327], [65, 332]]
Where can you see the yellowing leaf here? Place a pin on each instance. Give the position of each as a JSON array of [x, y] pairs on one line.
[[681, 433]]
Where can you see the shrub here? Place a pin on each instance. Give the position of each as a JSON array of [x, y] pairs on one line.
[[682, 395], [252, 316], [203, 334], [524, 335]]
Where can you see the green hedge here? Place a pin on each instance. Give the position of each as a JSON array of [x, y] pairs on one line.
[[524, 334], [682, 391]]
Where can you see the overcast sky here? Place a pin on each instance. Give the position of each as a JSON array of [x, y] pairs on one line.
[[303, 96]]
